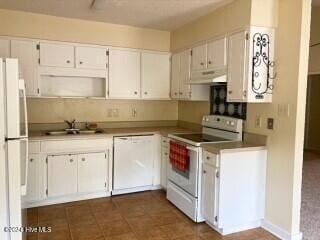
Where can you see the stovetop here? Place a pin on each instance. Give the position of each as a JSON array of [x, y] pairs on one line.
[[200, 138]]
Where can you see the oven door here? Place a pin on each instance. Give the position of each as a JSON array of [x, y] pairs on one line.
[[187, 181]]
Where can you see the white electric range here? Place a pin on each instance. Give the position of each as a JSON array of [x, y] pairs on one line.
[[184, 188]]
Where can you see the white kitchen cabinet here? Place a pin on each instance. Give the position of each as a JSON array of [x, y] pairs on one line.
[[91, 57], [27, 54], [4, 48], [62, 175], [92, 172], [233, 189], [124, 74], [35, 171], [180, 77], [217, 54], [133, 163], [57, 55], [209, 193], [199, 57], [164, 160], [250, 65], [155, 75]]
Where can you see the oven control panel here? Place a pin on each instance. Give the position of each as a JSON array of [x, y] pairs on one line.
[[222, 122]]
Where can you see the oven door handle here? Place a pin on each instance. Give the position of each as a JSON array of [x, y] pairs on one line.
[[192, 149]]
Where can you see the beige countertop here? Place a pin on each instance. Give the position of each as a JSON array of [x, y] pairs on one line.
[[229, 147], [110, 132]]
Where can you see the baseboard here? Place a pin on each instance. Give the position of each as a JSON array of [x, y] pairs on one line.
[[279, 232]]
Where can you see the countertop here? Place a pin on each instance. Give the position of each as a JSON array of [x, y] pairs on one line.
[[110, 132], [228, 147]]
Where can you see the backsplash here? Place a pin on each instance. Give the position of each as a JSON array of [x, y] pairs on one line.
[[220, 106]]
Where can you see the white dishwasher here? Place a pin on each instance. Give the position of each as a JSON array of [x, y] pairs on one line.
[[133, 163]]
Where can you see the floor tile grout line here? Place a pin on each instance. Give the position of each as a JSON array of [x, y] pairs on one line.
[[97, 223], [67, 218]]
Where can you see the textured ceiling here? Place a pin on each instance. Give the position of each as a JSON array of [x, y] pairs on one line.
[[156, 14]]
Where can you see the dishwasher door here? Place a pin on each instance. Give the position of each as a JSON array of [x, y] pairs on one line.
[[133, 163]]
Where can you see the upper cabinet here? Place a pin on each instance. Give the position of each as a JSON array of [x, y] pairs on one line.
[[217, 54], [199, 57], [180, 77], [250, 65], [155, 75], [27, 54], [124, 73], [57, 55], [91, 57]]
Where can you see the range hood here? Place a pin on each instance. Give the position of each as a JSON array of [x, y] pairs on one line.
[[208, 76]]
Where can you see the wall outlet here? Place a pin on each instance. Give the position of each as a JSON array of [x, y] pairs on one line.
[[283, 110], [258, 121], [270, 123]]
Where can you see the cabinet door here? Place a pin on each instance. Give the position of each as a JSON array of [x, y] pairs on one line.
[[124, 74], [184, 86], [62, 175], [209, 193], [56, 55], [155, 75], [27, 54], [199, 57], [4, 48], [91, 58], [92, 172], [34, 173], [217, 54], [237, 55], [175, 75]]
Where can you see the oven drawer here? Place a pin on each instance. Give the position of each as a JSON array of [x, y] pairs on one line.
[[211, 158], [182, 200]]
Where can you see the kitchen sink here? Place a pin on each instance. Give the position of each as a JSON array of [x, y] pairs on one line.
[[74, 132]]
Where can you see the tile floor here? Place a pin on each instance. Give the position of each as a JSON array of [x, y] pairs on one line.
[[138, 216]]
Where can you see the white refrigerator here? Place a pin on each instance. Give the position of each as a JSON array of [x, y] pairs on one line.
[[13, 150]]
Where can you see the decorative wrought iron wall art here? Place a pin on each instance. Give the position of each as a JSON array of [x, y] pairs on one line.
[[262, 66]]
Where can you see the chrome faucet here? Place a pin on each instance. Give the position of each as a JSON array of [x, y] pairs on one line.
[[71, 124]]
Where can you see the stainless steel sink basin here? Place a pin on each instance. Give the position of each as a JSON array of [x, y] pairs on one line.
[[73, 132]]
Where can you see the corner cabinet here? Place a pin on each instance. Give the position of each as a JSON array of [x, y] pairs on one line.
[[251, 65], [181, 89]]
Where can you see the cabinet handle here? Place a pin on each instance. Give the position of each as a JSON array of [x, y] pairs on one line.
[[180, 93], [230, 92], [208, 158], [209, 62], [68, 61], [201, 63], [175, 93], [204, 171], [31, 160], [80, 62], [166, 153], [136, 92], [145, 93], [71, 160], [164, 141], [83, 159]]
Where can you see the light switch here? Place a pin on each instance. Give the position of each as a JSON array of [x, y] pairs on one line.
[[283, 110], [270, 123]]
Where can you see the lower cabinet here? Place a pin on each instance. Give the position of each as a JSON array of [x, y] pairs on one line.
[[92, 172], [62, 175], [81, 173], [34, 175]]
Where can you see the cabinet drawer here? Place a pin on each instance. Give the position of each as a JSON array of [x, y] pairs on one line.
[[75, 145], [34, 147], [211, 158]]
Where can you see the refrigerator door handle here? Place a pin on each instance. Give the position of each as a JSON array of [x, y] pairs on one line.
[[24, 166], [22, 88]]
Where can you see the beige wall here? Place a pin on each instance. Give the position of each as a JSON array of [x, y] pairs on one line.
[[193, 111], [84, 110], [29, 25], [314, 61], [286, 140]]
